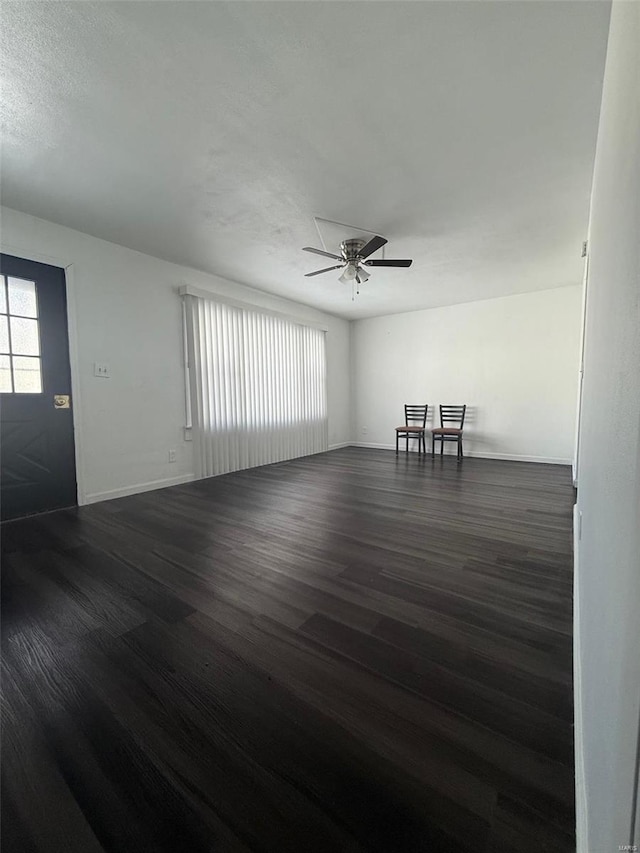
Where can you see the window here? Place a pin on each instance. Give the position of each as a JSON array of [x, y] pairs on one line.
[[258, 386], [20, 362]]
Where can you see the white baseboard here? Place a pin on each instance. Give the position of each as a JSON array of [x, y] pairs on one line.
[[373, 446], [340, 444], [582, 826], [137, 488], [511, 457], [507, 457]]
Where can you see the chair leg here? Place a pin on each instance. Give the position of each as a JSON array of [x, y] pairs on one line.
[[433, 444], [460, 453], [441, 445], [397, 436], [406, 447]]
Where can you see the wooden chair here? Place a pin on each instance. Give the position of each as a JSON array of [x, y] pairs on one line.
[[450, 429], [415, 424]]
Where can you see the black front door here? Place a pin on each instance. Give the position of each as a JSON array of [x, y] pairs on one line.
[[37, 456]]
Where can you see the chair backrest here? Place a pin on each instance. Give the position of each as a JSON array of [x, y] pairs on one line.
[[452, 416], [415, 415]]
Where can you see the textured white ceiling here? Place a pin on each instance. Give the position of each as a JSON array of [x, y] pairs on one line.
[[211, 134]]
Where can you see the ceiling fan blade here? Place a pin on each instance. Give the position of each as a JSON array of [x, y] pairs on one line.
[[321, 252], [372, 246], [328, 269], [401, 263]]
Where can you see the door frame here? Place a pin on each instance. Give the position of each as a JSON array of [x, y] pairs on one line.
[[74, 358], [583, 334]]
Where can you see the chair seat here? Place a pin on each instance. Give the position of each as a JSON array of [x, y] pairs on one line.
[[446, 431], [405, 428]]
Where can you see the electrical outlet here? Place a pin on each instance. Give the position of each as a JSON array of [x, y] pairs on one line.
[[172, 456], [101, 369]]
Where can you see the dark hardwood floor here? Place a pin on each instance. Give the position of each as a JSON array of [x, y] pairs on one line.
[[348, 652]]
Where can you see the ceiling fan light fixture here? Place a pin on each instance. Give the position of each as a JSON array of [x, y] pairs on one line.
[[349, 273], [363, 274]]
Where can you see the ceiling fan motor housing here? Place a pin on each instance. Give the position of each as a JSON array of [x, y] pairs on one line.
[[351, 248]]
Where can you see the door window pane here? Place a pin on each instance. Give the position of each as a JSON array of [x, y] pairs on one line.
[[24, 336], [5, 375], [22, 297], [3, 296], [20, 337], [27, 376], [4, 335]]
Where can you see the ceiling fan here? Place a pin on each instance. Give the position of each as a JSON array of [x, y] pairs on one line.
[[354, 259]]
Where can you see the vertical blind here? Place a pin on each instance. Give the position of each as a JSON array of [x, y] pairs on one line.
[[257, 387]]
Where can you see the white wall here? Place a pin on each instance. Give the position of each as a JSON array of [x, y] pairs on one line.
[[607, 635], [513, 361], [128, 314]]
